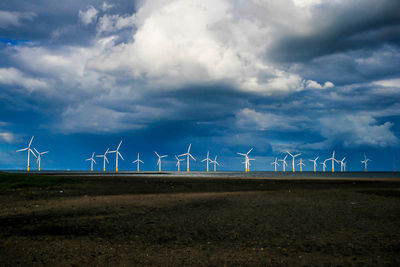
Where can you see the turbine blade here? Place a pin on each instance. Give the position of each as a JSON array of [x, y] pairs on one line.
[[36, 150], [106, 159], [33, 153], [22, 149], [182, 155], [134, 161], [119, 144], [190, 145], [249, 151], [157, 154], [45, 152], [31, 141], [119, 154], [141, 161], [192, 157]]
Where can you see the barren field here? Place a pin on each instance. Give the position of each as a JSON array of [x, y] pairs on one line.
[[173, 221]]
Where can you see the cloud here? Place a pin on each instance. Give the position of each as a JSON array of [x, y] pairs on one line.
[[89, 15], [250, 119], [8, 18], [357, 130], [12, 76], [7, 137]]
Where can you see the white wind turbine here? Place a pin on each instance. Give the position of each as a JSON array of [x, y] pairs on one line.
[[104, 159], [365, 162], [39, 157], [247, 160], [323, 165], [342, 164], [188, 157], [178, 163], [117, 154], [159, 160], [293, 156], [333, 161], [29, 151], [284, 164], [215, 163], [138, 161], [315, 163], [301, 164], [91, 162], [207, 159], [275, 163]]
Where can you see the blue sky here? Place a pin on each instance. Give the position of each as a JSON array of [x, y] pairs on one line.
[[307, 76]]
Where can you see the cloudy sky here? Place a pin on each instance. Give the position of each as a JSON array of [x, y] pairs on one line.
[[308, 76]]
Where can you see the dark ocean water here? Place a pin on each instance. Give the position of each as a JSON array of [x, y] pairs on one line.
[[253, 174]]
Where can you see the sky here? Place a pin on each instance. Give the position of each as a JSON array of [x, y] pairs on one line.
[[308, 76]]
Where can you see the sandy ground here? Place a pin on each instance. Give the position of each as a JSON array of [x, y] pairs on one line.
[[127, 221]]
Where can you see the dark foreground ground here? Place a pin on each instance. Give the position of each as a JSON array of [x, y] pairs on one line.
[[174, 221]]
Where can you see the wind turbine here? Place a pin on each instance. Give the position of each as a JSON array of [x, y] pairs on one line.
[[91, 162], [117, 154], [293, 156], [178, 163], [301, 164], [333, 161], [188, 157], [323, 165], [29, 151], [342, 164], [247, 161], [39, 157], [207, 159], [104, 159], [275, 163], [365, 162], [138, 161], [215, 163], [315, 163], [159, 160], [284, 164]]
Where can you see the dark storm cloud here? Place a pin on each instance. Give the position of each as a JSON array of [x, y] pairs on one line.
[[341, 28]]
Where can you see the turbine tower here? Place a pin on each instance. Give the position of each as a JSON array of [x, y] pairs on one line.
[[159, 160], [39, 157], [284, 164], [178, 163], [117, 154], [138, 161], [315, 163], [247, 161], [365, 162], [323, 165], [207, 159], [275, 163], [91, 162], [333, 161], [342, 164], [301, 164], [188, 157], [29, 151], [104, 159], [215, 163], [293, 156]]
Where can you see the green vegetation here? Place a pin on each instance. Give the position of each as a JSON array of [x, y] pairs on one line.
[[26, 180]]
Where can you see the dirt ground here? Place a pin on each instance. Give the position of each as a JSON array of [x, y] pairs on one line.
[[127, 221]]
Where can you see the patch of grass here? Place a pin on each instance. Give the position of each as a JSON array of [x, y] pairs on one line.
[[26, 180]]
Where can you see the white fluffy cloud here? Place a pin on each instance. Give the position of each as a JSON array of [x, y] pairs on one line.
[[12, 76], [357, 130], [89, 15]]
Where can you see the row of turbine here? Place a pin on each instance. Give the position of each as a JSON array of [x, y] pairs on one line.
[[301, 164], [138, 160], [246, 161]]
